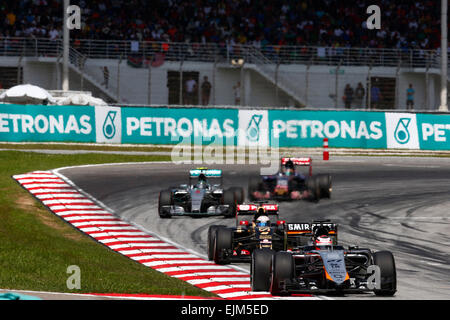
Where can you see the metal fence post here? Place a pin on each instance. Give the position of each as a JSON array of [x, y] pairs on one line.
[[58, 72], [337, 84], [19, 67], [214, 79], [181, 83], [411, 60], [276, 82], [397, 73], [427, 86], [307, 82], [142, 45], [149, 93], [241, 89], [369, 88], [118, 79], [82, 65]]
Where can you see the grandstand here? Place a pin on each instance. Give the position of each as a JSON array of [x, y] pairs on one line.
[[282, 53]]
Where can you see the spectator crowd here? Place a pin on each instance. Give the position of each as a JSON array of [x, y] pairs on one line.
[[405, 24]]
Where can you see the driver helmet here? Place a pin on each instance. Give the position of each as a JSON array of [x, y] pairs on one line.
[[201, 184], [261, 211], [263, 221], [289, 167], [323, 240]]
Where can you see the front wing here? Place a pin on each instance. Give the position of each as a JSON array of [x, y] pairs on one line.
[[218, 210], [300, 286]]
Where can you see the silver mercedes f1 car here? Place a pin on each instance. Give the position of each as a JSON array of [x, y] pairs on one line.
[[200, 198]]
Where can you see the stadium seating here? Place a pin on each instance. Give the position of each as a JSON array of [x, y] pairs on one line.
[[406, 24]]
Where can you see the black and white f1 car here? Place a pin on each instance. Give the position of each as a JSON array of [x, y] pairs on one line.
[[322, 266], [226, 245], [200, 198], [289, 184]]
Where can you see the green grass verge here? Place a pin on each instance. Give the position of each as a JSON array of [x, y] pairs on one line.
[[36, 247]]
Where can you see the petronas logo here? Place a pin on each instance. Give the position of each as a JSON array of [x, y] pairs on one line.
[[109, 129], [401, 133], [253, 128]]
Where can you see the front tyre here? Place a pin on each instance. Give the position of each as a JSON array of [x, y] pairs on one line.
[[165, 199], [260, 269], [229, 198], [282, 270], [385, 261], [211, 240], [223, 242]]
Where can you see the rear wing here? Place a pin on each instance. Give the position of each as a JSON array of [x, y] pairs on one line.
[[270, 209], [298, 161], [310, 229], [305, 162], [209, 173], [298, 234], [252, 209]]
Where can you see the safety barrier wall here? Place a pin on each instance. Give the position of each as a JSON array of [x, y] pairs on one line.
[[263, 127]]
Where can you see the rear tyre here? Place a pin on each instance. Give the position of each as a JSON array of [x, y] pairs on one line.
[[253, 185], [165, 199], [313, 187], [223, 241], [211, 239], [239, 194], [385, 261], [282, 270], [325, 185], [229, 199], [260, 269]]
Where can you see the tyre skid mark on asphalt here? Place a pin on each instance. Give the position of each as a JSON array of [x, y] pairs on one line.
[[410, 248], [68, 203]]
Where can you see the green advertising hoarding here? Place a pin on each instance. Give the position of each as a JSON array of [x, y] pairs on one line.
[[175, 125], [351, 129], [231, 127], [39, 123], [434, 131]]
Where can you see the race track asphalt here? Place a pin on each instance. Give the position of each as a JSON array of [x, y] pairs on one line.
[[400, 204]]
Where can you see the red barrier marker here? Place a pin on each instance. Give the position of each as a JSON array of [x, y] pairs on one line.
[[326, 154]]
